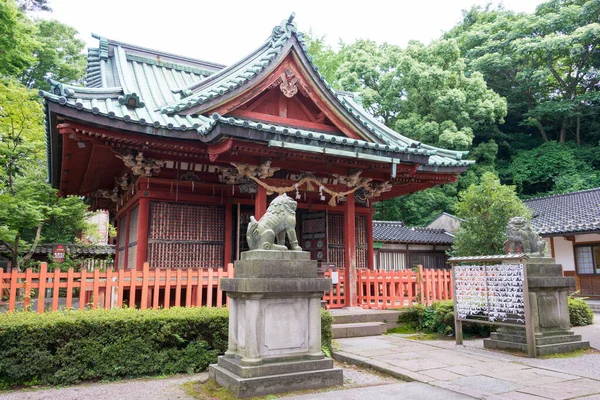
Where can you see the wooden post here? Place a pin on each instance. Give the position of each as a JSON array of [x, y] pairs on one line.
[[457, 322], [41, 291], [142, 232], [228, 232], [126, 250], [350, 250], [370, 251], [260, 204]]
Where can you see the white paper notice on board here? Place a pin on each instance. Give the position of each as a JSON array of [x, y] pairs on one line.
[[334, 278]]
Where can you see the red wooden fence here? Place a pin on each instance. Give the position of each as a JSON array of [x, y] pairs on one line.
[[154, 288], [396, 289], [146, 289]]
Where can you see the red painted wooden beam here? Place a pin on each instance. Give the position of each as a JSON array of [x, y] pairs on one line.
[[142, 230], [350, 250], [260, 204]]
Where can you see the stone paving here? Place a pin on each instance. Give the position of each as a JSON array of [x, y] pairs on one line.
[[473, 371]]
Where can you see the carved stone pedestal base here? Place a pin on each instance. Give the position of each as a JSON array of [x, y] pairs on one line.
[[274, 326]]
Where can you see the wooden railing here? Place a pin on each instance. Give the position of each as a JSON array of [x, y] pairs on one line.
[[335, 298], [396, 289], [149, 288]]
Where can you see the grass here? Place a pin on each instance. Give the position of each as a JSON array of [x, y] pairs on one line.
[[211, 390], [404, 329], [571, 354]]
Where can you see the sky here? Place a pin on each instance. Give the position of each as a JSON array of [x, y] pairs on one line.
[[224, 31]]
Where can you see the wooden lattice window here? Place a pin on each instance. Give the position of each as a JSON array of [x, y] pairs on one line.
[[133, 238], [186, 235], [335, 239], [121, 242], [360, 229]]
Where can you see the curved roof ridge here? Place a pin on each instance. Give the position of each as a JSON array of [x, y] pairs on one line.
[[247, 68], [159, 52], [551, 196]]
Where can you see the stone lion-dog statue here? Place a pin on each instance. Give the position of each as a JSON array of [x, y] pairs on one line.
[[279, 221], [522, 238]]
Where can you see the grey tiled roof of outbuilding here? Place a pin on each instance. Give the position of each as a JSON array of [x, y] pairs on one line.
[[393, 231], [576, 212]]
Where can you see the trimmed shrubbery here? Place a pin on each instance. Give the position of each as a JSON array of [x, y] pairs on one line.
[[66, 347], [580, 312], [326, 333], [439, 318]]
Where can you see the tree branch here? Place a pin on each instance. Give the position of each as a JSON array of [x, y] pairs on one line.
[[35, 242]]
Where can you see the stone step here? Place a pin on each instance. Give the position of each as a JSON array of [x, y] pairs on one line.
[[539, 340], [562, 347], [346, 316], [540, 349], [358, 329], [595, 307]]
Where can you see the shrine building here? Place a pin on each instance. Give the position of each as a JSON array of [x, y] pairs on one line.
[[182, 152]]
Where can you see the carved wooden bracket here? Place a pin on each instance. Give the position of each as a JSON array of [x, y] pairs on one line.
[[375, 189], [219, 148], [140, 165], [107, 194], [239, 175]]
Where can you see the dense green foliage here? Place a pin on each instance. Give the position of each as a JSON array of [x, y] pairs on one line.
[[326, 332], [30, 211], [519, 91], [439, 318], [486, 209], [580, 312], [66, 347]]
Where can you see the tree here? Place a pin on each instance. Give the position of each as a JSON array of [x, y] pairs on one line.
[[17, 40], [58, 55], [423, 91], [486, 209], [28, 205], [546, 63], [552, 168]]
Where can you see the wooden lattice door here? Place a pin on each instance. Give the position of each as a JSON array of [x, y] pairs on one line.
[[360, 226], [335, 238], [314, 235], [186, 235]]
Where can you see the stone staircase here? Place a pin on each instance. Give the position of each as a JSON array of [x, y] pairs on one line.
[[594, 305], [355, 322], [546, 343]]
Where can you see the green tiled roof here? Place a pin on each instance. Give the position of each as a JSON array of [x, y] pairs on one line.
[[157, 90]]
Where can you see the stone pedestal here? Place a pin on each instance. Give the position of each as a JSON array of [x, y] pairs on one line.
[[548, 293], [274, 326]]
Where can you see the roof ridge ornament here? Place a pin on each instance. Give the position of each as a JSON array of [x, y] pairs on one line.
[[286, 28], [131, 100]]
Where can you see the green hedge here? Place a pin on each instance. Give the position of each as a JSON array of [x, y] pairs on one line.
[[580, 312], [326, 333], [66, 347], [439, 318]]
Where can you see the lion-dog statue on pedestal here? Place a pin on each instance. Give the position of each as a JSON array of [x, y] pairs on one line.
[[522, 238], [279, 220]]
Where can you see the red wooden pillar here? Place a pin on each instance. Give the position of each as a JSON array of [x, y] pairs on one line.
[[350, 250], [142, 239], [116, 262], [228, 231], [126, 252], [370, 252], [260, 204]]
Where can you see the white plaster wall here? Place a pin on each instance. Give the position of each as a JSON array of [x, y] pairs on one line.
[[591, 237], [563, 253]]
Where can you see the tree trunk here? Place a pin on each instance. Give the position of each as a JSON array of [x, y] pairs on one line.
[[542, 130], [35, 242], [15, 257], [563, 131], [578, 130]]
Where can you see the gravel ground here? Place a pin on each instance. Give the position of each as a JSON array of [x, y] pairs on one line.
[[167, 388], [133, 389]]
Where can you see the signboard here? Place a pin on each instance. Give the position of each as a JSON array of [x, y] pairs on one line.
[[58, 253], [334, 277], [490, 292]]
